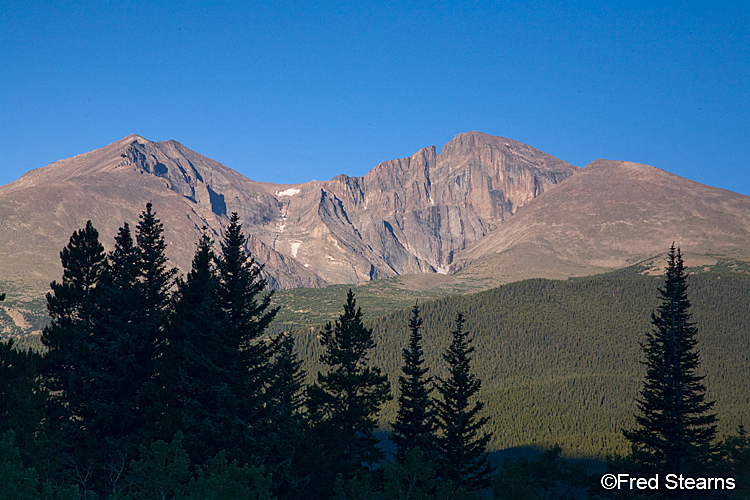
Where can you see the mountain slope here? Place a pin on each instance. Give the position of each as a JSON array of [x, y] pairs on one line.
[[405, 216], [611, 215]]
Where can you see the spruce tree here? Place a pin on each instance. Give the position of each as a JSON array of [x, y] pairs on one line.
[[414, 425], [286, 431], [676, 427], [462, 451], [133, 302], [71, 308], [109, 413], [67, 368], [344, 403], [23, 402], [245, 350], [191, 371]]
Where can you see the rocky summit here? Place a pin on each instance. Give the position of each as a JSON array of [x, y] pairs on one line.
[[407, 216]]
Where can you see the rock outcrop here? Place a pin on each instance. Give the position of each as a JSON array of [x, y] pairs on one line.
[[406, 216]]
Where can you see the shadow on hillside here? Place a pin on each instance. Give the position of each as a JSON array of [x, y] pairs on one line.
[[593, 465]]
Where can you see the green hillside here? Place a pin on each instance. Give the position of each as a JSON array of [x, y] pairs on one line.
[[559, 360]]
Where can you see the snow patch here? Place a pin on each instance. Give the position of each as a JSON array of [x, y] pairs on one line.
[[288, 192], [443, 270], [295, 247]]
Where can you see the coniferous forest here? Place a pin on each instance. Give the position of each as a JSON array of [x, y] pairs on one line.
[[152, 384]]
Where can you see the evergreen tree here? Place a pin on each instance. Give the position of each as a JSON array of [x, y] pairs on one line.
[[23, 402], [286, 387], [67, 368], [675, 425], [246, 353], [462, 452], [133, 300], [71, 307], [286, 427], [191, 371], [414, 425], [344, 403]]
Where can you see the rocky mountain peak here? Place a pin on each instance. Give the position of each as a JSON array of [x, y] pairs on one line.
[[405, 216]]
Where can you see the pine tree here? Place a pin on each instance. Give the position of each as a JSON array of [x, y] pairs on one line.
[[71, 309], [676, 428], [133, 302], [414, 425], [105, 412], [286, 430], [23, 402], [191, 371], [462, 452], [246, 353], [344, 403]]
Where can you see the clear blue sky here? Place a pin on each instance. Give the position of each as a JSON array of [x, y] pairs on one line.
[[290, 91]]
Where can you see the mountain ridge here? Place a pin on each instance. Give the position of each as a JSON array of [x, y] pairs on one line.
[[409, 215]]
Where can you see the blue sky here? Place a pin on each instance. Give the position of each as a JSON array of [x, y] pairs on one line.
[[292, 91]]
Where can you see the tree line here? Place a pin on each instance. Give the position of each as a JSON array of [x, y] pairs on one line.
[[159, 386]]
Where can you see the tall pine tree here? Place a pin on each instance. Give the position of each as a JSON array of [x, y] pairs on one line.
[[676, 427], [344, 403], [414, 425], [245, 315], [71, 307], [133, 302], [191, 372], [286, 431], [462, 450]]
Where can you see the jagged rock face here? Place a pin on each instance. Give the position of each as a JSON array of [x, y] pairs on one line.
[[418, 212], [406, 216]]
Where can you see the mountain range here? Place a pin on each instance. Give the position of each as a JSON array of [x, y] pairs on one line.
[[485, 208]]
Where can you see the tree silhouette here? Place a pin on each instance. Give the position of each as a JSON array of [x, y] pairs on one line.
[[675, 425], [462, 451], [414, 425]]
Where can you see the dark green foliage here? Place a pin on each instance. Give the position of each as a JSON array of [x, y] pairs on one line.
[[191, 370], [220, 480], [161, 469], [736, 461], [285, 434], [414, 425], [245, 353], [68, 368], [412, 479], [133, 303], [675, 425], [21, 482], [549, 477], [118, 372], [462, 444], [344, 403], [71, 305], [22, 400], [287, 378]]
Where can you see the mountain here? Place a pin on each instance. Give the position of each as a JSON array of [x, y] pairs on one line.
[[611, 215], [406, 216]]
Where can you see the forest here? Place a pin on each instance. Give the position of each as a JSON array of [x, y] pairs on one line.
[[150, 384]]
